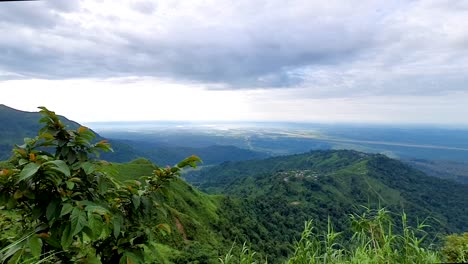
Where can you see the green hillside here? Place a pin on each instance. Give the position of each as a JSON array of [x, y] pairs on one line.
[[266, 202], [192, 215], [17, 125], [278, 194]]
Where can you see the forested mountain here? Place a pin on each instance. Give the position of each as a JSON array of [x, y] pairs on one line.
[[280, 193], [457, 171], [15, 125], [164, 154], [265, 202]]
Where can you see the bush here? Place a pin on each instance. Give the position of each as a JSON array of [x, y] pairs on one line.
[[455, 249], [71, 209]]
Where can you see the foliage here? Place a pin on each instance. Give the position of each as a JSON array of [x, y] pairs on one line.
[[456, 248], [373, 241], [71, 208], [268, 200], [244, 256]]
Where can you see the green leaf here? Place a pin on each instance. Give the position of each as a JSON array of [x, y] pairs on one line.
[[21, 162], [136, 201], [164, 227], [52, 209], [60, 166], [78, 221], [190, 161], [97, 209], [96, 224], [130, 258], [90, 233], [88, 167], [66, 209], [53, 242], [28, 171], [16, 257], [12, 250], [35, 244], [92, 259], [67, 237], [70, 185], [18, 194], [117, 223]]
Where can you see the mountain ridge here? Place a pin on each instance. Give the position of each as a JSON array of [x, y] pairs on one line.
[[280, 193]]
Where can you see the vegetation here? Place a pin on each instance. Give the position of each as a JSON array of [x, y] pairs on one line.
[[457, 171], [59, 203], [213, 154], [375, 239], [71, 210], [17, 125], [268, 200], [456, 248]]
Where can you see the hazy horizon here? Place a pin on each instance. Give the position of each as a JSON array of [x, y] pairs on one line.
[[371, 62]]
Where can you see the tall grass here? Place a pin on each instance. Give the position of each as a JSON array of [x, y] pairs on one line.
[[374, 240], [12, 253], [245, 256]]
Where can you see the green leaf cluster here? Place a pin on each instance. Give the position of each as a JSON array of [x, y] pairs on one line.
[[71, 208]]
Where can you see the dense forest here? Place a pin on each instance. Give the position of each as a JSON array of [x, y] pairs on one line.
[[283, 192]]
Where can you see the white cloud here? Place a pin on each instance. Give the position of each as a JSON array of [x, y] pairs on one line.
[[135, 98], [366, 60], [123, 99]]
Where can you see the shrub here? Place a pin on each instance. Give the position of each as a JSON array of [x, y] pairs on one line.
[[71, 209], [455, 249]]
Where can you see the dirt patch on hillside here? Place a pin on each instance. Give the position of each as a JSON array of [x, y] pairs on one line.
[[181, 229]]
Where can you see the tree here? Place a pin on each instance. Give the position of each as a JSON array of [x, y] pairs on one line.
[[70, 208]]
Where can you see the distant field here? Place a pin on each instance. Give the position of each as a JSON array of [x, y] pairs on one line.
[[404, 142]]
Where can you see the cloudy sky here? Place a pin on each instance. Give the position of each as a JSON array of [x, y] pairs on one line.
[[298, 60]]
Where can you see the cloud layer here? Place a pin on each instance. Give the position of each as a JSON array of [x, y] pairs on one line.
[[323, 49]]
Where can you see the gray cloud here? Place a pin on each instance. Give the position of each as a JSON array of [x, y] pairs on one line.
[[328, 49], [63, 6], [145, 7], [32, 14]]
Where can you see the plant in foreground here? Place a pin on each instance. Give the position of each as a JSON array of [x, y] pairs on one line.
[[70, 208], [374, 240]]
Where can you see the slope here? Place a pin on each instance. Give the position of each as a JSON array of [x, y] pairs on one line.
[[278, 194], [17, 125], [191, 215]]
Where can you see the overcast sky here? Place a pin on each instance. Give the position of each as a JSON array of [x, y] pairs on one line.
[[297, 60]]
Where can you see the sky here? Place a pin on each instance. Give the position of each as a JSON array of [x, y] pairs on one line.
[[299, 60]]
